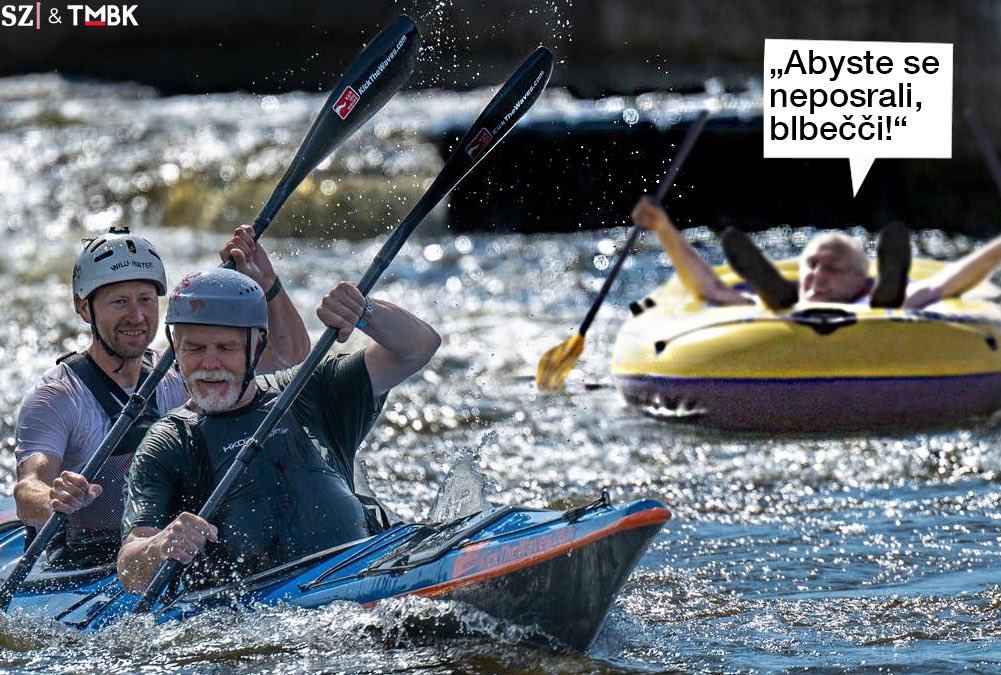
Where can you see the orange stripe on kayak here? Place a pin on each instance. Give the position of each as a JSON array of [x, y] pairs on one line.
[[655, 516]]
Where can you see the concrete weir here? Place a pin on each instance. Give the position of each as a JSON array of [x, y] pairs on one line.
[[560, 174], [564, 175]]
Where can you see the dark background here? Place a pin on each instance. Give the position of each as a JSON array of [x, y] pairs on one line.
[[603, 47]]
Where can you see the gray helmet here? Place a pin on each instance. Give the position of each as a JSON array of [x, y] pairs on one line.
[[117, 256], [220, 297]]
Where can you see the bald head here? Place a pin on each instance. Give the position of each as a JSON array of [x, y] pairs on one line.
[[833, 268]]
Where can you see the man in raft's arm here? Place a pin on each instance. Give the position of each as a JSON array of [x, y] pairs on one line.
[[297, 496], [695, 273], [833, 267], [957, 278], [62, 421]]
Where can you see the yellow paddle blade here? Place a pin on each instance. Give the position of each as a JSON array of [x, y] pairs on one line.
[[556, 364]]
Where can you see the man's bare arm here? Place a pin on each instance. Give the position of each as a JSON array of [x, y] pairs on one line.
[[42, 488], [403, 343], [695, 273], [957, 278], [147, 548], [34, 486], [288, 340]]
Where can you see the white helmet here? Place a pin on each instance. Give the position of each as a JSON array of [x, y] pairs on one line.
[[114, 257]]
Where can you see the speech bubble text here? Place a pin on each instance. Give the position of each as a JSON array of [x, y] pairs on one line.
[[858, 100]]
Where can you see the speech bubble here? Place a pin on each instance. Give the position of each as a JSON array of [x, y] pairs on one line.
[[859, 100]]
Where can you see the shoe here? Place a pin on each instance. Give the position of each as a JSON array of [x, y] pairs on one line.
[[893, 260], [747, 260]]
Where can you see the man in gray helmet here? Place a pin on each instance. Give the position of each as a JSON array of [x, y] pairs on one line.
[[298, 496], [117, 279]]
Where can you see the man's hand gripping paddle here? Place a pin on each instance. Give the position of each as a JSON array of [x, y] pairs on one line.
[[517, 95], [556, 364], [375, 76]]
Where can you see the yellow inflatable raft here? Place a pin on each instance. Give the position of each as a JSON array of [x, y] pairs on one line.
[[815, 367]]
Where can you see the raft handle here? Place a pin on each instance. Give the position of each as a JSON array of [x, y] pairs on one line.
[[824, 320], [638, 307]]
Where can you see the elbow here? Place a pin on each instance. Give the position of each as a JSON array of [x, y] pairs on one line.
[[22, 509], [425, 345], [19, 509], [123, 567], [430, 343], [128, 581]]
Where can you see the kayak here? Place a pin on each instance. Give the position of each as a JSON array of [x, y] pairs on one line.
[[557, 572], [815, 367]]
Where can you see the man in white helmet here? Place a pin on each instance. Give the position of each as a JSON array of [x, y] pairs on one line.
[[117, 281]]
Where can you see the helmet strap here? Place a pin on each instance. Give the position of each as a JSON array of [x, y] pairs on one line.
[[101, 340], [252, 358]]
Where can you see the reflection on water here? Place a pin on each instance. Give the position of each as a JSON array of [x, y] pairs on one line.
[[784, 552]]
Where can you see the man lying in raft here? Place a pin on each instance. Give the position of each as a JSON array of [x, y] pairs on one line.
[[832, 268], [297, 497], [116, 283]]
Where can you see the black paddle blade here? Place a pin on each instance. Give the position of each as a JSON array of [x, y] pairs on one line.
[[508, 106], [381, 69], [503, 111]]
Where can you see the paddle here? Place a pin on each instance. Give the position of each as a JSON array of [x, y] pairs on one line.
[[990, 155], [556, 364], [379, 72], [517, 95]]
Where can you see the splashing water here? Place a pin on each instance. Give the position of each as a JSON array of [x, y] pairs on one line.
[[463, 492]]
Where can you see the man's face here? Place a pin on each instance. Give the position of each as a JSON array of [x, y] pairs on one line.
[[828, 273], [127, 314], [212, 361]]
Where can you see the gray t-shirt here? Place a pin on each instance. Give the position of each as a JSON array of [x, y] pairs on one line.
[[61, 418]]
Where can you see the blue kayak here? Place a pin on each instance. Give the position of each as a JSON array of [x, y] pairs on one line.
[[550, 570]]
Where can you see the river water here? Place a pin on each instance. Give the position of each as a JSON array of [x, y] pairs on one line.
[[795, 553]]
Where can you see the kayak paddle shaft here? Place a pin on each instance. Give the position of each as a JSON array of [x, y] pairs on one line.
[[679, 159]]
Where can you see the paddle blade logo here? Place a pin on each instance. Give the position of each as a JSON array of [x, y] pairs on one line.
[[346, 103], [479, 144]]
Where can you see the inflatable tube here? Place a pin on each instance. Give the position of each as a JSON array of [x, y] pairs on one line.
[[820, 367]]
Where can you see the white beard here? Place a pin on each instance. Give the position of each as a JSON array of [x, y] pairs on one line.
[[212, 403]]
